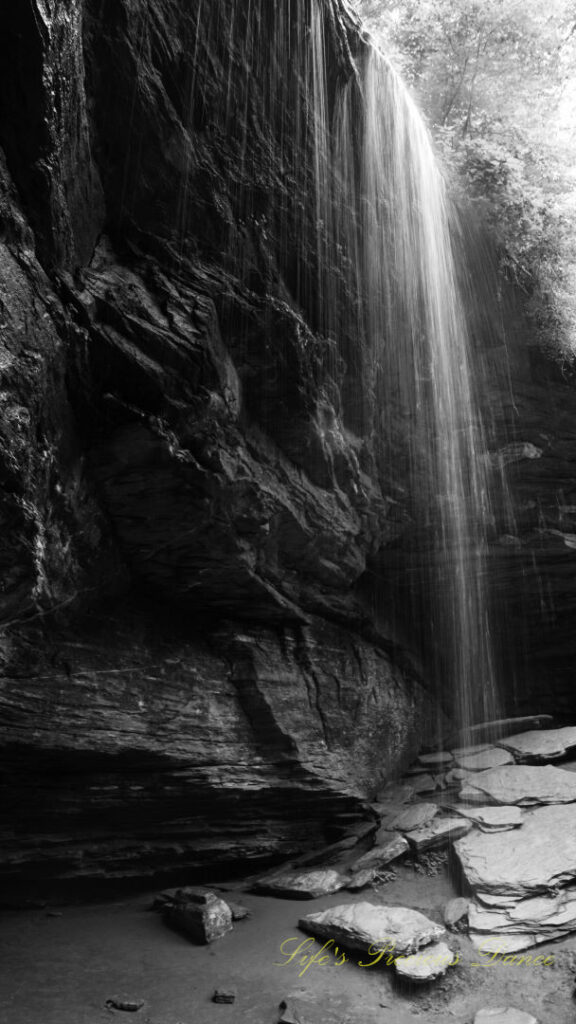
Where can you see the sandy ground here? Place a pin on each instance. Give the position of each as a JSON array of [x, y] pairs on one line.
[[62, 969]]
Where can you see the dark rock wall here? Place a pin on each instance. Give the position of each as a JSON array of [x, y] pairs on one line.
[[183, 447]]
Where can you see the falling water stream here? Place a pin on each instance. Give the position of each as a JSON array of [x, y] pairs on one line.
[[376, 262], [419, 340]]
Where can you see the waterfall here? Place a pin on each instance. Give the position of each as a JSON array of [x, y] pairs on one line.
[[395, 209], [368, 251]]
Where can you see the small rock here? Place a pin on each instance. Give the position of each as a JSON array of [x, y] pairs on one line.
[[222, 995], [504, 1015], [438, 834], [456, 914], [124, 1003], [199, 914], [440, 760], [428, 964], [414, 817], [239, 913], [366, 925]]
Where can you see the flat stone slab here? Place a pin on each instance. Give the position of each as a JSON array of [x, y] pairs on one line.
[[396, 846], [521, 784], [509, 944], [414, 817], [542, 914], [493, 819], [366, 926], [305, 885], [434, 762], [540, 745], [492, 758], [425, 783], [504, 1015], [540, 858], [439, 833], [428, 964]]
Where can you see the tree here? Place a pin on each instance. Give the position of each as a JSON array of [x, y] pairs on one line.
[[496, 79]]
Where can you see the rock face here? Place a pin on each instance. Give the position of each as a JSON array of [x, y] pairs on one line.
[[190, 753], [184, 456]]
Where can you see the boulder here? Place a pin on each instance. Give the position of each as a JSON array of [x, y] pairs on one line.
[[367, 926], [200, 915]]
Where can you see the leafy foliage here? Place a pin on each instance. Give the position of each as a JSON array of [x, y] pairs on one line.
[[497, 79]]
